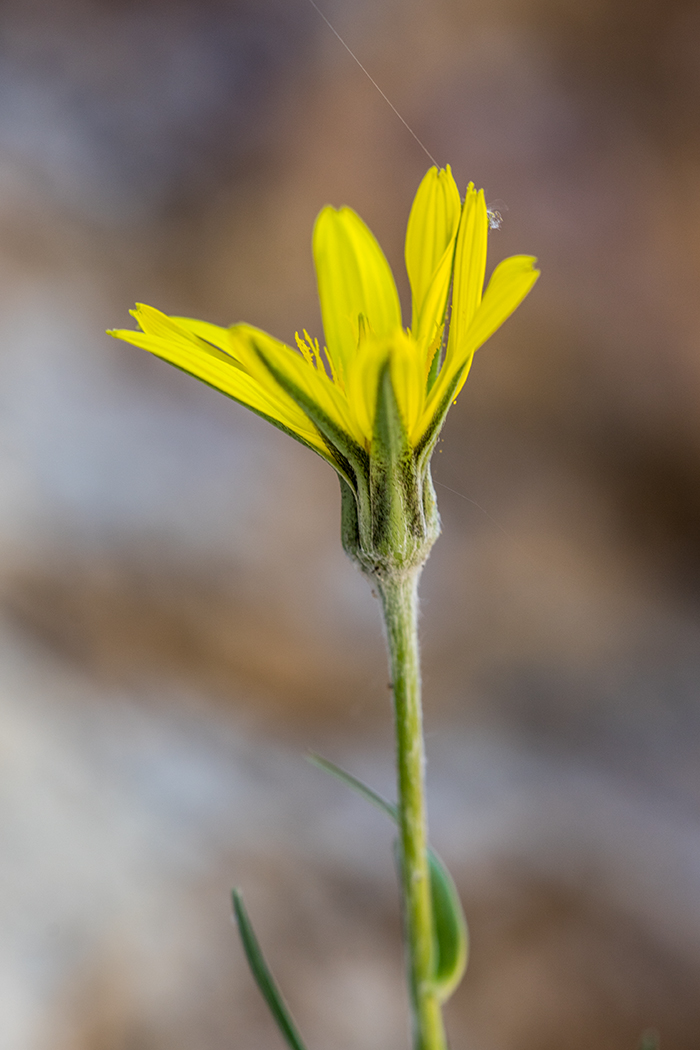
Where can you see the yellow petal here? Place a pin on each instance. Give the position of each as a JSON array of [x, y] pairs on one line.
[[470, 267], [166, 338], [200, 333], [210, 333], [249, 343], [432, 228], [354, 279], [510, 282], [408, 379], [363, 384]]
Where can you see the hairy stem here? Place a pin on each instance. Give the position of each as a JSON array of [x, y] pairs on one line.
[[399, 596]]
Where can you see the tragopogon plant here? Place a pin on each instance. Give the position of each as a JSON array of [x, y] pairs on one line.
[[372, 403]]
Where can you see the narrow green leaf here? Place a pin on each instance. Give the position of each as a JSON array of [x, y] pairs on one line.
[[347, 778], [451, 936], [263, 978], [650, 1040]]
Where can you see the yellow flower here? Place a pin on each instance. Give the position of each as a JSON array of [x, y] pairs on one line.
[[336, 400]]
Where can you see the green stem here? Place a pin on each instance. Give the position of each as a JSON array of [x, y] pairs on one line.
[[399, 596]]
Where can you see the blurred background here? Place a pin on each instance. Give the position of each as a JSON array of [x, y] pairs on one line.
[[178, 623]]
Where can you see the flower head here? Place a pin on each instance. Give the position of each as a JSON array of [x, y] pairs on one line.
[[372, 402]]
